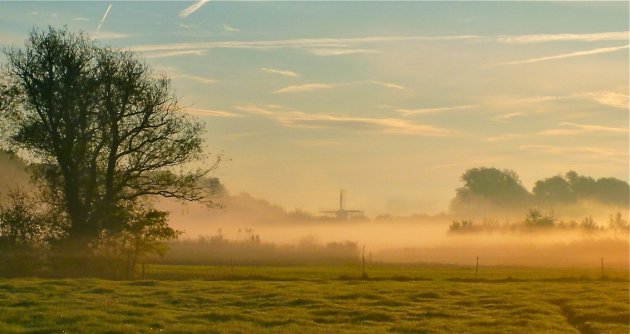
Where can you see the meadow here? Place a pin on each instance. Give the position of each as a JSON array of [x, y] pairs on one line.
[[323, 299]]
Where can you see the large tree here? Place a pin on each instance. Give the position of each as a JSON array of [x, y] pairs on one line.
[[490, 189], [572, 187], [104, 129], [552, 191]]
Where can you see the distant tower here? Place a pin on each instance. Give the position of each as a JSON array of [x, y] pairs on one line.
[[342, 214]]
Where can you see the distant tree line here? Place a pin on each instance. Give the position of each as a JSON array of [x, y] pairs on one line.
[[251, 250], [493, 188], [536, 221]]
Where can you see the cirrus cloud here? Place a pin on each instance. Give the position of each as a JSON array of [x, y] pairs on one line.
[[309, 87], [285, 73], [192, 8], [292, 118]]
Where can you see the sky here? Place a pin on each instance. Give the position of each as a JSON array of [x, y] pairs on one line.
[[391, 101]]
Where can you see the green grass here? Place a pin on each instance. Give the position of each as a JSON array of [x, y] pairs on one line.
[[395, 299]]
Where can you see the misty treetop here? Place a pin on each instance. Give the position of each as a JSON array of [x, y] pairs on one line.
[[574, 187], [492, 188], [500, 186]]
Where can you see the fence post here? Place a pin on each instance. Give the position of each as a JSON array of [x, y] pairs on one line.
[[477, 269], [363, 256]]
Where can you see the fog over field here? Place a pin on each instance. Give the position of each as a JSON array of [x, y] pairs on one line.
[[419, 238], [392, 238]]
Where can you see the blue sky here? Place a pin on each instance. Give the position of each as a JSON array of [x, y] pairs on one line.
[[392, 101]]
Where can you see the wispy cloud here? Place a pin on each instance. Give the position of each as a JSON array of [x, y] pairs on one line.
[[590, 127], [586, 151], [193, 8], [387, 84], [152, 55], [309, 87], [110, 35], [229, 28], [566, 55], [305, 88], [607, 98], [292, 118], [199, 79], [356, 45], [285, 73], [407, 112], [577, 129], [308, 43], [100, 24], [318, 143], [209, 112], [327, 52], [508, 116], [566, 129], [504, 137], [611, 99], [540, 38]]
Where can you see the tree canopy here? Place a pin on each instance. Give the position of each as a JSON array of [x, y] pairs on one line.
[[574, 187], [104, 130], [493, 189], [501, 187]]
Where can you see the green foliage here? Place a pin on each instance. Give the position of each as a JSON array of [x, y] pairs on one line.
[[501, 187], [104, 128], [573, 187], [612, 191], [22, 225], [252, 250], [553, 190], [501, 191], [536, 219], [490, 190], [147, 231], [589, 224], [315, 300], [617, 223], [465, 225], [24, 229]]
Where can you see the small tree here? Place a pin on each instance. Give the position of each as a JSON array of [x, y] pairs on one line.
[[22, 233], [21, 225], [464, 226], [536, 219], [588, 224], [617, 224], [146, 233]]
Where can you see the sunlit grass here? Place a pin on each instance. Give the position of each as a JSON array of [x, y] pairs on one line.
[[396, 299]]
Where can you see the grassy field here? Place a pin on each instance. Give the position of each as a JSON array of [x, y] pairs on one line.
[[394, 299]]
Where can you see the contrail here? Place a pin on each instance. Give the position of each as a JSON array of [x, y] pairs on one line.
[[567, 55], [102, 20], [193, 8]]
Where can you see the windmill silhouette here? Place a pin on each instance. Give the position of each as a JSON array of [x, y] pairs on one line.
[[342, 214]]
